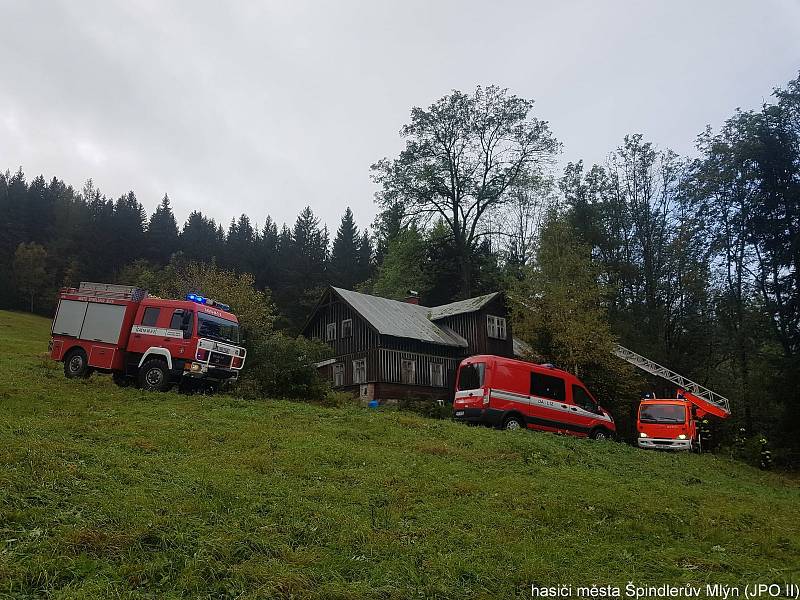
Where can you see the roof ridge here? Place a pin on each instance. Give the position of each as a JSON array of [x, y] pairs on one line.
[[465, 300], [338, 289]]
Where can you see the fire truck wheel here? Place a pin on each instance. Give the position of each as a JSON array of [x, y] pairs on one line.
[[154, 376], [513, 423], [76, 366]]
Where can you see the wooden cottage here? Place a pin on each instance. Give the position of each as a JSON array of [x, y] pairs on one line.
[[391, 350]]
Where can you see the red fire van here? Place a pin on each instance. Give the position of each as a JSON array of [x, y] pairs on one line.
[[513, 394]]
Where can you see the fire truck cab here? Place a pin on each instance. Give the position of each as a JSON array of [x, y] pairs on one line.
[[673, 424], [514, 394], [145, 340]]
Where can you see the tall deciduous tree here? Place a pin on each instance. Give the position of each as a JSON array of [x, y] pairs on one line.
[[405, 266], [30, 270], [558, 309], [463, 154]]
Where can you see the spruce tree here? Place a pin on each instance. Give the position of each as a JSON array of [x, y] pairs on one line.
[[344, 268], [162, 233], [364, 258], [199, 238]]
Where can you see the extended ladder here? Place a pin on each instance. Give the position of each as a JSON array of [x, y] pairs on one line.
[[645, 364]]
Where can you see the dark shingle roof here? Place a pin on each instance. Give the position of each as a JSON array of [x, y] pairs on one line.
[[400, 319]]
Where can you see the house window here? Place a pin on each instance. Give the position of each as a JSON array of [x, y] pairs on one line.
[[496, 327], [330, 332], [360, 370], [150, 316], [338, 374], [347, 328], [437, 374], [408, 370]]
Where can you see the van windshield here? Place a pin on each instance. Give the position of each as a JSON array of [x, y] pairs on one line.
[[217, 328], [662, 413], [470, 376]]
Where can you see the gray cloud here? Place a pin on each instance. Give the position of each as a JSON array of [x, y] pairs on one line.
[[266, 107]]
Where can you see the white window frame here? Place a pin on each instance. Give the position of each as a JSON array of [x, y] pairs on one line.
[[437, 372], [496, 327], [338, 374], [330, 332], [403, 362], [360, 364], [349, 323]]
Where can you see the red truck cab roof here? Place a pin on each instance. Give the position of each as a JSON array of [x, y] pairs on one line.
[[189, 305]]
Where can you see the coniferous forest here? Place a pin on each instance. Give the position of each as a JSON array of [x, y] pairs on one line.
[[691, 261]]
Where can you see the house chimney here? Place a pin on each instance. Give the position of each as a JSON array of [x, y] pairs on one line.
[[412, 297]]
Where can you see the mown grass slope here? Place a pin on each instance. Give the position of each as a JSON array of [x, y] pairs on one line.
[[114, 492]]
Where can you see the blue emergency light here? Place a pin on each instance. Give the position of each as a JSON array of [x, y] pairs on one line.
[[208, 301]]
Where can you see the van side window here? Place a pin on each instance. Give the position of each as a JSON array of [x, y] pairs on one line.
[[150, 316], [547, 386], [582, 398]]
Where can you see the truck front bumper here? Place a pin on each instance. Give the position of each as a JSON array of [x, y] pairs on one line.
[[198, 370], [664, 444]]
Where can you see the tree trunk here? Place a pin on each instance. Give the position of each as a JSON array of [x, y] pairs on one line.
[[465, 270]]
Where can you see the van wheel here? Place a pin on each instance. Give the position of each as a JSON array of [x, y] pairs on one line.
[[154, 376], [600, 434], [513, 423], [76, 366]]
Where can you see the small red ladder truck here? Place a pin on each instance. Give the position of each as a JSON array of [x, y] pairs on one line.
[[674, 423], [145, 340]]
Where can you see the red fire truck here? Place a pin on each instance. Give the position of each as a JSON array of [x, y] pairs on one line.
[[513, 394], [145, 340], [674, 423]]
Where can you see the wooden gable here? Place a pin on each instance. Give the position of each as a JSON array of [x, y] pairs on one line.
[[473, 326], [332, 314]]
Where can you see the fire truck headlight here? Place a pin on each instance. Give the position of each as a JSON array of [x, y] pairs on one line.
[[682, 436], [642, 434]]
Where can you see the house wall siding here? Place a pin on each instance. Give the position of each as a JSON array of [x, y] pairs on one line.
[[333, 310], [472, 327], [385, 354]]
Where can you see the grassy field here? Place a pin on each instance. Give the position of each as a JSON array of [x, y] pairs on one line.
[[108, 492]]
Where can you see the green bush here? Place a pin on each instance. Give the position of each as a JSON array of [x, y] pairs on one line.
[[279, 366]]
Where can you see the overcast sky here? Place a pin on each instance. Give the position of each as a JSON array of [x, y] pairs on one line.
[[265, 107]]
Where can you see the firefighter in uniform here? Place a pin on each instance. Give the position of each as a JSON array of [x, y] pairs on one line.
[[739, 442], [704, 433], [765, 458]]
